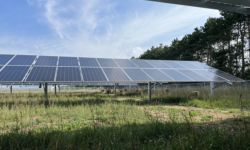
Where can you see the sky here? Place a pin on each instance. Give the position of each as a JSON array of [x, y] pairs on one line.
[[94, 28]]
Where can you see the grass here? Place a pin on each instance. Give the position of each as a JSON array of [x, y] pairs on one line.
[[128, 121]]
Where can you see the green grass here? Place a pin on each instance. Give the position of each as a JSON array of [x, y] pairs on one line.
[[127, 121]]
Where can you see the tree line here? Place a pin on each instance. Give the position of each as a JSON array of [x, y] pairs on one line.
[[223, 43]]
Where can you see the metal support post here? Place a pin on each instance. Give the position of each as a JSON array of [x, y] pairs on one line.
[[55, 88], [149, 91], [11, 89], [212, 88], [115, 88], [46, 98]]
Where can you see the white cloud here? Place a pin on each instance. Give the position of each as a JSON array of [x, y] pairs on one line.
[[97, 28], [52, 18]]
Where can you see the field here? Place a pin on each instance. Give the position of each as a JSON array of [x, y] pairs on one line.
[[95, 120]]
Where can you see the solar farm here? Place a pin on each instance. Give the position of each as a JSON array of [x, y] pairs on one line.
[[55, 70], [59, 101], [78, 103]]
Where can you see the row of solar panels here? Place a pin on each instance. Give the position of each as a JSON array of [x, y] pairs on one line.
[[54, 61], [37, 69]]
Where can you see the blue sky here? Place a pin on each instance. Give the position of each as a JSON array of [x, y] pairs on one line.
[[93, 28]]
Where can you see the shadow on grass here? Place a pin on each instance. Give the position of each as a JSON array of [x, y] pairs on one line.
[[69, 100], [69, 103], [60, 103], [155, 101], [228, 134], [96, 101]]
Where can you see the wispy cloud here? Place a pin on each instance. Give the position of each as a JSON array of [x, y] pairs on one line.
[[101, 28]]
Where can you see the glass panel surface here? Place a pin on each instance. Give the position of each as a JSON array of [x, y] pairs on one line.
[[115, 74], [196, 77], [188, 64], [5, 58], [126, 63], [176, 75], [46, 61], [141, 63], [173, 64], [226, 75], [42, 74], [137, 75], [68, 74], [157, 75], [107, 62], [211, 76], [88, 62], [24, 60], [13, 73], [68, 61], [158, 63], [93, 74]]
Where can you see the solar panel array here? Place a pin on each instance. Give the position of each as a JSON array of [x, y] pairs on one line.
[[55, 69]]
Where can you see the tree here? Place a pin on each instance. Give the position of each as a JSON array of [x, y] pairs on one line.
[[222, 42]]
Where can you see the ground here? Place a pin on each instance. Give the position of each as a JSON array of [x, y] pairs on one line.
[[80, 120]]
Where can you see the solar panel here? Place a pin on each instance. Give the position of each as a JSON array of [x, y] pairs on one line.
[[209, 75], [188, 65], [158, 64], [5, 58], [137, 75], [73, 69], [196, 77], [93, 74], [141, 63], [157, 75], [46, 61], [227, 76], [115, 74], [125, 63], [42, 74], [68, 61], [237, 6], [24, 60], [107, 62], [68, 74], [176, 75], [88, 62], [173, 64], [13, 73]]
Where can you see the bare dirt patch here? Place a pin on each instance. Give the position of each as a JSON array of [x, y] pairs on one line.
[[182, 113]]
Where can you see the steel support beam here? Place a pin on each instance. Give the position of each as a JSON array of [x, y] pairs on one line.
[[11, 89], [46, 98], [115, 88], [55, 89], [212, 89], [150, 91]]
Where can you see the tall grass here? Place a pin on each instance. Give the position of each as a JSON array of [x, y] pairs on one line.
[[128, 121]]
